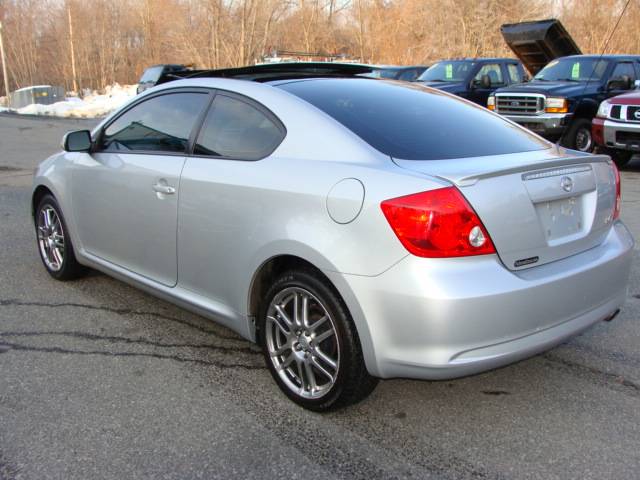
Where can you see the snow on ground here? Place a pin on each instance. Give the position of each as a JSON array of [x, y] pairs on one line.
[[93, 104]]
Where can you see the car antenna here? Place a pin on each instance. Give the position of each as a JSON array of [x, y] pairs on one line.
[[606, 44]]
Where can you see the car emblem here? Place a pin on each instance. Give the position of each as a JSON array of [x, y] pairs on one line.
[[515, 104], [637, 114], [567, 184]]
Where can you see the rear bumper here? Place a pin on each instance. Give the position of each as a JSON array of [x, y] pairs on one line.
[[446, 318], [608, 130], [549, 125]]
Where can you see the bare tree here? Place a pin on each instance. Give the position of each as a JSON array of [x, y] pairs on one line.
[[96, 43]]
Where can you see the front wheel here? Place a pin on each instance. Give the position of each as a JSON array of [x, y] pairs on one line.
[[579, 137], [310, 343], [54, 243]]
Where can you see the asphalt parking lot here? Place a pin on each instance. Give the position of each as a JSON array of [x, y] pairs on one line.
[[99, 380]]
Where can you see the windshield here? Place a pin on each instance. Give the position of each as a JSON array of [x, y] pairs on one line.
[[455, 71], [151, 74], [412, 122], [573, 70], [383, 73]]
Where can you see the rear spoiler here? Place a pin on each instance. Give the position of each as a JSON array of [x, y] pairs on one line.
[[537, 43], [275, 71]]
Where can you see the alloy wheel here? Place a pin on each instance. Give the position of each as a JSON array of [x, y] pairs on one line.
[[50, 238], [302, 342]]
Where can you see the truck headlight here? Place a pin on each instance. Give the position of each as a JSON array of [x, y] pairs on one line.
[[604, 110], [491, 103], [556, 105]]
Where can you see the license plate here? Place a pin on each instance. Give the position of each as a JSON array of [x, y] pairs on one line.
[[561, 218]]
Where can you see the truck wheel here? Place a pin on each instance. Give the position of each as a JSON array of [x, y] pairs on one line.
[[578, 137]]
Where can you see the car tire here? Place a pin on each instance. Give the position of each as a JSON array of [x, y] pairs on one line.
[[621, 157], [579, 136], [315, 355], [54, 243]]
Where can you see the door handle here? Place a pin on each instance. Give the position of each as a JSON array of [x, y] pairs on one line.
[[166, 189]]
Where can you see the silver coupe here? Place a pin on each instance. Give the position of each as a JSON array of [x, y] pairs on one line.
[[355, 228]]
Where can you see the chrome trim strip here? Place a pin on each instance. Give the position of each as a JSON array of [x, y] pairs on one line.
[[556, 172]]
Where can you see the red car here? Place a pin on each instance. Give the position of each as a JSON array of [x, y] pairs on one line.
[[616, 127]]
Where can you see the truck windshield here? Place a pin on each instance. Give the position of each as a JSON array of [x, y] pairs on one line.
[[573, 70], [448, 71]]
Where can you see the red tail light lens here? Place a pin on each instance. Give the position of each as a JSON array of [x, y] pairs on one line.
[[438, 223], [618, 204]]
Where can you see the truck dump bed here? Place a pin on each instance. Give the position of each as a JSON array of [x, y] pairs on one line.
[[537, 43]]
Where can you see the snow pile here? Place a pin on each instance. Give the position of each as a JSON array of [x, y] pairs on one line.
[[93, 105]]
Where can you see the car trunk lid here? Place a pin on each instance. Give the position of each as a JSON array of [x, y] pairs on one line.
[[537, 207]]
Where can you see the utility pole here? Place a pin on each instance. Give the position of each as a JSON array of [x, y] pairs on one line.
[[73, 55], [4, 66]]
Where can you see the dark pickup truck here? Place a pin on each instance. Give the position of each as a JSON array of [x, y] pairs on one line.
[[561, 100], [473, 78]]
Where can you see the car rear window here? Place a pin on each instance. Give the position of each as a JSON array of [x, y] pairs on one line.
[[412, 122]]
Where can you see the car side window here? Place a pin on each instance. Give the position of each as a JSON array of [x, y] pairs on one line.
[[515, 75], [160, 124], [235, 129], [494, 72], [623, 69]]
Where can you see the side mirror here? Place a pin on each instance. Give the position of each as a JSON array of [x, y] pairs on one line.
[[620, 83], [78, 141]]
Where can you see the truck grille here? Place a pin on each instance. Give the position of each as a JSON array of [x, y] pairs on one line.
[[632, 112], [616, 111], [519, 104]]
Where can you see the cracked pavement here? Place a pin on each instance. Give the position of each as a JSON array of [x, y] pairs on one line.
[[100, 380]]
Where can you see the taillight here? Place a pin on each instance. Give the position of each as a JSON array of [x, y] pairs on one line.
[[618, 204], [437, 223]]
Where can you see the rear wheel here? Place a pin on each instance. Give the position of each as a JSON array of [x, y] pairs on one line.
[[54, 244], [310, 343], [579, 137]]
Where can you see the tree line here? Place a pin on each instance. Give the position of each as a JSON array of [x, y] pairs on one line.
[[95, 43]]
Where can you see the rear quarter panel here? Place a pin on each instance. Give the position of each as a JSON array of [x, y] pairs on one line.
[[235, 215]]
